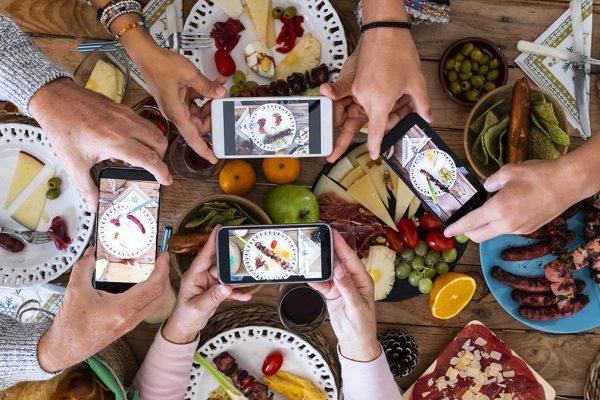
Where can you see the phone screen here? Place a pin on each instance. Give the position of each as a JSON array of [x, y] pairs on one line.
[[423, 160], [126, 233], [295, 253], [268, 127]]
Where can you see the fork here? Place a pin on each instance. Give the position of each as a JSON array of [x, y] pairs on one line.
[[33, 237], [175, 41]]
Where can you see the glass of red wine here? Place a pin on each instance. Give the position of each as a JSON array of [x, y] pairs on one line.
[[190, 165], [301, 309]]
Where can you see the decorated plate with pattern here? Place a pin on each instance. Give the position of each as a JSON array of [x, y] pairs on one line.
[[272, 127], [433, 167], [127, 235], [270, 254]]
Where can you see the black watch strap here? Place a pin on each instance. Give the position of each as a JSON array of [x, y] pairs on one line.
[[385, 24]]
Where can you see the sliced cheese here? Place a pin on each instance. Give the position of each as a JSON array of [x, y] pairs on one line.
[[352, 176], [28, 214], [357, 152], [374, 169], [326, 185], [106, 79], [27, 168], [259, 10], [404, 198], [233, 8], [270, 28], [365, 193], [393, 176], [415, 203], [340, 169]]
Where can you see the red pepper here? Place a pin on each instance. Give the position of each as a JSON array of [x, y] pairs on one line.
[[394, 240], [408, 232], [429, 222], [274, 244], [437, 241], [287, 38]]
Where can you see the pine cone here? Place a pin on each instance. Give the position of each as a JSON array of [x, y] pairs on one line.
[[401, 351]]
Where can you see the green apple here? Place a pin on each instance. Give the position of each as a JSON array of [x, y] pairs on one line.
[[292, 204]]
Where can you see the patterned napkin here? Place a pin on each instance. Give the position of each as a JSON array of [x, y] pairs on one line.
[[43, 296], [556, 76]]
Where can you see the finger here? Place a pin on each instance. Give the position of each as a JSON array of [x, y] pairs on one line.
[[86, 187], [348, 258], [344, 139], [151, 137], [397, 116], [204, 259], [194, 139], [240, 296], [325, 288], [82, 272], [213, 297], [420, 100], [470, 222], [140, 155], [497, 180], [378, 117], [347, 288], [337, 90], [207, 88], [485, 232]]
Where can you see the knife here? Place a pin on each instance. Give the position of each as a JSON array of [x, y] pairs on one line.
[[580, 78], [539, 49]]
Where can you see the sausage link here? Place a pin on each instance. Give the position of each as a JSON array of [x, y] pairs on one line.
[[532, 285], [518, 127], [10, 243]]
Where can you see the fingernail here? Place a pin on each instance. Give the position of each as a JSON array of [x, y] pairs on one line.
[[448, 233], [225, 290], [374, 156], [339, 272], [221, 91]]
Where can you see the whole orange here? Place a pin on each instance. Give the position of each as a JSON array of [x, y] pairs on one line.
[[237, 177], [281, 170]]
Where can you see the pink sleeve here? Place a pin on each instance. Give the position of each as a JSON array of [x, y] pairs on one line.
[[165, 373], [368, 380]]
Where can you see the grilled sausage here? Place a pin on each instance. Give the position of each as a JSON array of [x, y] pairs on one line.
[[185, 243], [533, 251], [10, 243], [570, 307], [518, 126], [541, 299], [531, 285]]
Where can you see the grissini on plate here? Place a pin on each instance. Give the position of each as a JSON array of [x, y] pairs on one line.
[[518, 126]]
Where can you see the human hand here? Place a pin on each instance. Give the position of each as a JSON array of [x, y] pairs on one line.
[[85, 128], [530, 194], [199, 296], [88, 320], [351, 304]]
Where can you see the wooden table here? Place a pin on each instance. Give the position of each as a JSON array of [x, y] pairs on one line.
[[564, 360]]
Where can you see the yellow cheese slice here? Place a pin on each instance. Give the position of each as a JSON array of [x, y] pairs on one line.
[[357, 152], [352, 177], [28, 214], [259, 9], [340, 169], [233, 8], [270, 28], [365, 193], [106, 79], [375, 171], [27, 168], [326, 185], [413, 207], [404, 197]]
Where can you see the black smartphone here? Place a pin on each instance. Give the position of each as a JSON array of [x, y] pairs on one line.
[[126, 228], [253, 254], [431, 170]]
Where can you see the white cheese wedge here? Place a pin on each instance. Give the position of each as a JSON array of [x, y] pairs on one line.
[[259, 9], [28, 214], [352, 176], [106, 79], [374, 169], [340, 169], [357, 152], [414, 206], [365, 193], [233, 8], [326, 185], [27, 168]]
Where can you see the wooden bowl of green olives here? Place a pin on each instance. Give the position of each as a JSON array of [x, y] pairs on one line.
[[470, 68]]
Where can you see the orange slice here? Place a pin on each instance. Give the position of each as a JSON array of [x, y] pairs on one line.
[[450, 294]]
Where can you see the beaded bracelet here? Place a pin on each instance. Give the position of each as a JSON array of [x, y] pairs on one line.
[[114, 11], [113, 6], [129, 28]]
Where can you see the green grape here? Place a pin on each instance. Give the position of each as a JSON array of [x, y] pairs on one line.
[[429, 272], [417, 262], [425, 285], [239, 78], [421, 248], [414, 278], [449, 255], [442, 267], [407, 254], [432, 257], [461, 238], [403, 270]]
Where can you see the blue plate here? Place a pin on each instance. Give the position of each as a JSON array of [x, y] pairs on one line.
[[586, 319]]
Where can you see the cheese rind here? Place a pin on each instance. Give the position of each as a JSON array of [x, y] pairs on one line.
[[340, 169], [26, 170], [365, 193]]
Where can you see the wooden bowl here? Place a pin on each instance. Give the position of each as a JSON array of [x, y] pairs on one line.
[[503, 92], [179, 261], [488, 48]]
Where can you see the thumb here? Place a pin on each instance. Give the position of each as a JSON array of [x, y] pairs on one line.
[[378, 118], [85, 186], [346, 287], [496, 181], [207, 88], [212, 298], [83, 270]]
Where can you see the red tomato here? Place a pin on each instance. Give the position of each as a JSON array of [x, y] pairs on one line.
[[224, 62], [274, 244], [408, 232], [272, 363], [437, 241], [430, 222], [394, 240]]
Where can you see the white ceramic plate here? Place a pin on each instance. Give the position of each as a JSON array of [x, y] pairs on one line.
[[38, 264], [249, 346], [268, 120], [432, 161], [126, 240], [320, 20], [269, 269]]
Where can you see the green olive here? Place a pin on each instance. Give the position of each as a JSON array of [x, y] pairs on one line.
[[477, 81], [467, 49], [290, 12], [459, 56], [52, 194], [465, 76], [472, 96], [54, 182], [474, 66], [483, 70], [494, 63], [455, 87], [489, 86], [465, 86], [452, 76], [476, 55], [465, 66], [449, 64], [492, 75], [277, 12], [239, 78], [457, 65], [484, 59], [250, 85], [235, 89]]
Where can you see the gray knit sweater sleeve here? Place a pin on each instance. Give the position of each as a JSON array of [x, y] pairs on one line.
[[23, 67], [18, 351]]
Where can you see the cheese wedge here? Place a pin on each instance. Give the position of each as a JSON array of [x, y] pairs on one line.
[[365, 193], [374, 169], [356, 152], [352, 176], [28, 214], [259, 10], [270, 28], [27, 168], [340, 169], [326, 185], [106, 79], [404, 197], [415, 203], [233, 8]]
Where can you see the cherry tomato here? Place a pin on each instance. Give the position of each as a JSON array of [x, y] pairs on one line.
[[272, 363], [430, 222], [437, 241], [274, 244], [224, 62], [408, 232], [394, 240]]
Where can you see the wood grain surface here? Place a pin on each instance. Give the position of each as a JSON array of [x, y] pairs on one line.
[[58, 26]]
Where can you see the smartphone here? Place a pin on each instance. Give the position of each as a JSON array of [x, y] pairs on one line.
[[259, 127], [253, 254], [126, 228], [431, 170]]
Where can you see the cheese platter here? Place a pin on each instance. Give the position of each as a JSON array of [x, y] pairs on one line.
[[401, 245]]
